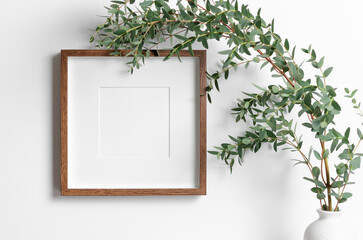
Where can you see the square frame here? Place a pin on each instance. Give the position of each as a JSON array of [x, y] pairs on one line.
[[65, 190]]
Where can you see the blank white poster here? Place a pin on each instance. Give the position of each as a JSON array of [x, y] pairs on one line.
[[137, 130]]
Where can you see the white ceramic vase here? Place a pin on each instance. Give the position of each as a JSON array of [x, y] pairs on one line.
[[329, 226]]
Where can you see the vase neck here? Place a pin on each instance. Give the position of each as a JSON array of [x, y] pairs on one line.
[[328, 214]]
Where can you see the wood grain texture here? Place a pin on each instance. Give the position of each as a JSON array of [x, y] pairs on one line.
[[201, 190], [64, 122]]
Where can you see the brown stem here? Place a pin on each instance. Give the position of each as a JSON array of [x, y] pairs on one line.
[[327, 173], [321, 167], [322, 162], [328, 184], [277, 68], [357, 145]]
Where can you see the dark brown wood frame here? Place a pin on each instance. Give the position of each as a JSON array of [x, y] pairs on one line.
[[201, 190]]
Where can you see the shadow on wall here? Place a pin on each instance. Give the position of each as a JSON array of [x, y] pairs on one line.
[[56, 63]]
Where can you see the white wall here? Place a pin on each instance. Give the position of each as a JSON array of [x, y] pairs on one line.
[[263, 200]]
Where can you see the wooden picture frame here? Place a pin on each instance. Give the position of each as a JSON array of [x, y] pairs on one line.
[[199, 189]]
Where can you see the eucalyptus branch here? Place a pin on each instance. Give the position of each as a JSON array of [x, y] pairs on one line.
[[356, 147], [269, 60], [249, 39], [342, 192], [100, 27]]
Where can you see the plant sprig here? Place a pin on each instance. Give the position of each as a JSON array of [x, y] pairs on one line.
[[250, 40]]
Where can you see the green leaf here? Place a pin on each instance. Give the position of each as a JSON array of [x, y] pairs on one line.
[[275, 146], [264, 64], [216, 84], [236, 6], [275, 89], [337, 184], [286, 44], [360, 135], [273, 25], [336, 105], [259, 87], [293, 52], [334, 144], [328, 71], [323, 124], [258, 23], [225, 52], [191, 50], [346, 154], [204, 42], [231, 165], [316, 190], [308, 125], [146, 4], [346, 195], [341, 168], [180, 37], [320, 195], [272, 123], [316, 172], [256, 59], [113, 10], [213, 152], [119, 32], [313, 54], [353, 93], [320, 84], [317, 182], [317, 155], [224, 18], [232, 138], [246, 141], [355, 163], [346, 134], [307, 100], [240, 151], [315, 64], [321, 62]]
